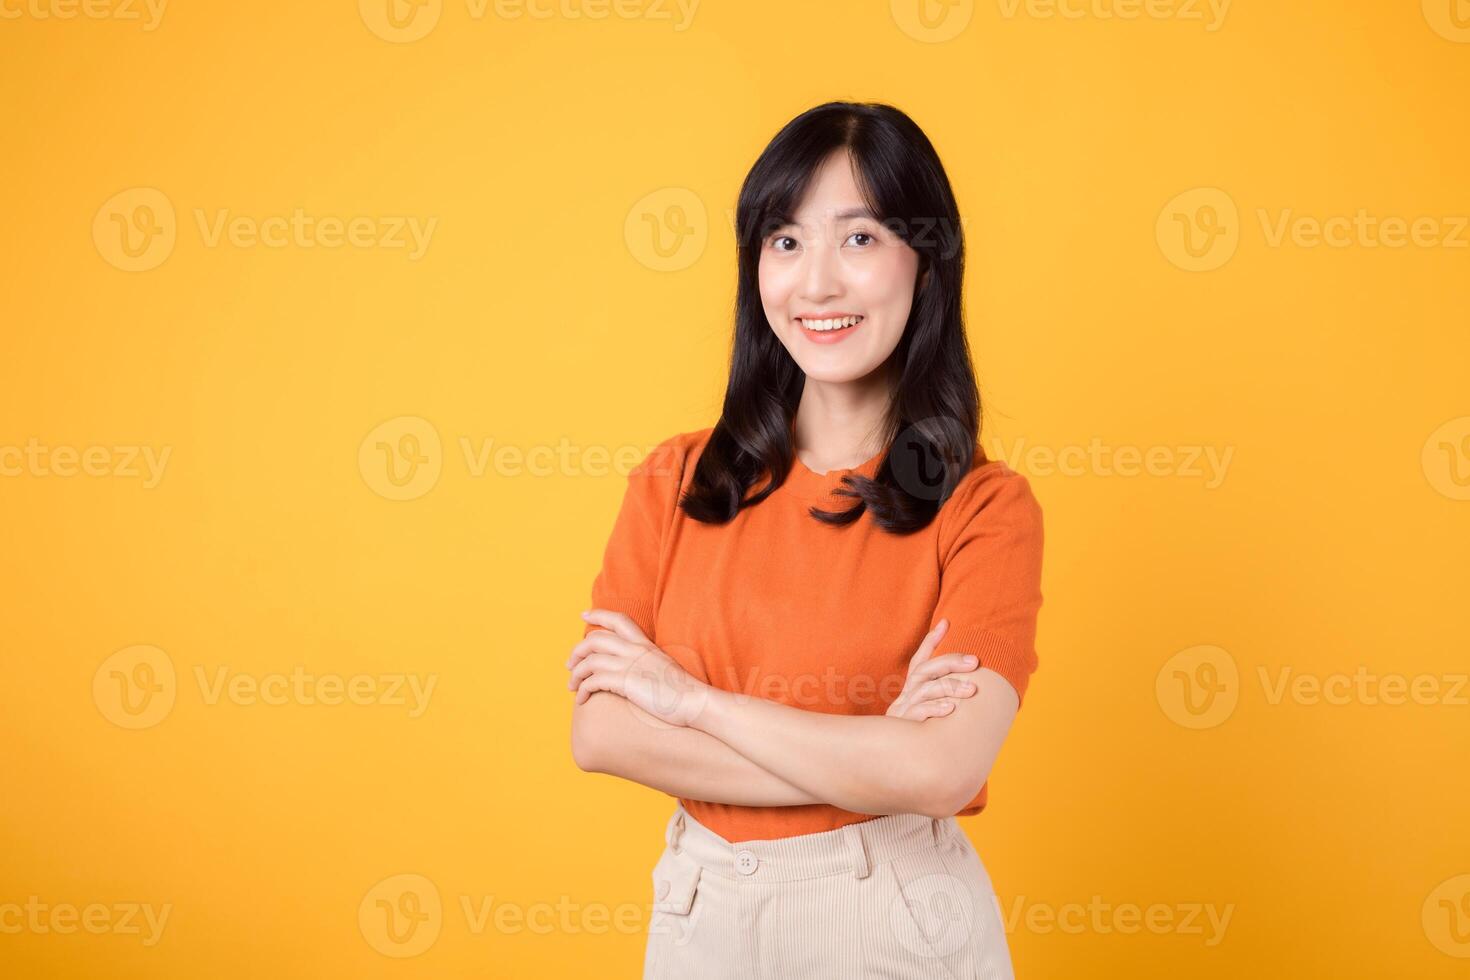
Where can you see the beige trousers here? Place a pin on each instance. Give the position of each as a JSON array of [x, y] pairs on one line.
[[895, 897]]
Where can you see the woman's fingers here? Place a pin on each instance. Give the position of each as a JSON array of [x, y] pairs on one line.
[[949, 663], [620, 623], [591, 664], [927, 646], [595, 682], [944, 687], [930, 709], [604, 642], [925, 696], [918, 671], [933, 683], [918, 710]]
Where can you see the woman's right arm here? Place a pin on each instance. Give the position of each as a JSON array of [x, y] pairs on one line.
[[608, 734], [614, 736]]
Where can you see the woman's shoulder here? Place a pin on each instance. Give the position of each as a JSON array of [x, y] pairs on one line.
[[991, 491], [694, 440], [674, 455]]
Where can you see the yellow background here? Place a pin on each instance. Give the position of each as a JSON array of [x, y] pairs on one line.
[[538, 317]]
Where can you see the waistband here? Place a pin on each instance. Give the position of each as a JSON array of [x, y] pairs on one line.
[[854, 848]]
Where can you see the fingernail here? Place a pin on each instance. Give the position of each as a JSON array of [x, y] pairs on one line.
[[585, 613], [971, 661]]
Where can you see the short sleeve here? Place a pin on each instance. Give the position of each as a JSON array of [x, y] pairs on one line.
[[990, 573], [628, 579]]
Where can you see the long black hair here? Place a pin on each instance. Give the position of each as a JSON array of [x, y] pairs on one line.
[[932, 424]]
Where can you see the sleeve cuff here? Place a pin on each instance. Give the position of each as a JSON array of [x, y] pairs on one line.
[[1011, 660]]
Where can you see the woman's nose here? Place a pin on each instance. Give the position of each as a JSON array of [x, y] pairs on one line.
[[822, 276]]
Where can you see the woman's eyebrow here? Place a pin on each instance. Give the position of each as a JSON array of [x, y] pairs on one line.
[[846, 214]]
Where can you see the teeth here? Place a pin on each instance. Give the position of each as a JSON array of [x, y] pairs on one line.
[[838, 324]]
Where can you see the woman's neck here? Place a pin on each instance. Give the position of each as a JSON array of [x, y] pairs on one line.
[[839, 426]]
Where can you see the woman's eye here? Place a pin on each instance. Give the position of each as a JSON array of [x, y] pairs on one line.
[[864, 239]]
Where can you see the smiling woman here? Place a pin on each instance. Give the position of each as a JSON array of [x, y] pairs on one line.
[[823, 694]]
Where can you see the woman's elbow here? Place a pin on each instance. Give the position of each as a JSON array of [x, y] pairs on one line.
[[926, 791], [589, 733], [949, 792]]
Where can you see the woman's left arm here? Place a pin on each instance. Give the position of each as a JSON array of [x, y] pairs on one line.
[[871, 763]]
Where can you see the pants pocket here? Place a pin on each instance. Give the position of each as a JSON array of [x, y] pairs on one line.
[[675, 914], [931, 916], [992, 952]]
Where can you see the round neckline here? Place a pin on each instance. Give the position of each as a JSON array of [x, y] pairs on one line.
[[803, 482]]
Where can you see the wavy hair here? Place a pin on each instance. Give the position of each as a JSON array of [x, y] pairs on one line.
[[932, 423]]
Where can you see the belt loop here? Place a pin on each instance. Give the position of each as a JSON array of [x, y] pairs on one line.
[[676, 829], [853, 837], [938, 831]]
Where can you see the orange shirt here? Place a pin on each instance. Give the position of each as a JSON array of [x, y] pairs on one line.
[[780, 606]]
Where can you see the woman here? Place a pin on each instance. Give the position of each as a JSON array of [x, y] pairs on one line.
[[787, 595]]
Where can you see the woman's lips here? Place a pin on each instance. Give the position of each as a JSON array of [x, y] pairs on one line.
[[831, 336]]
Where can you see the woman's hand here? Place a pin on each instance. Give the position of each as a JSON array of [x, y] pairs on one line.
[[933, 684], [621, 659]]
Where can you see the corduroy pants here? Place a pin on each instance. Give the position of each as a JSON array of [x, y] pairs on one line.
[[895, 897]]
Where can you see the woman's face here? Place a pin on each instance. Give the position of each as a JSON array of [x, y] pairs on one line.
[[836, 260]]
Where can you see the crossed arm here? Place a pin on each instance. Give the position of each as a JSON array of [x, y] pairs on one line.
[[749, 751], [612, 735]]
